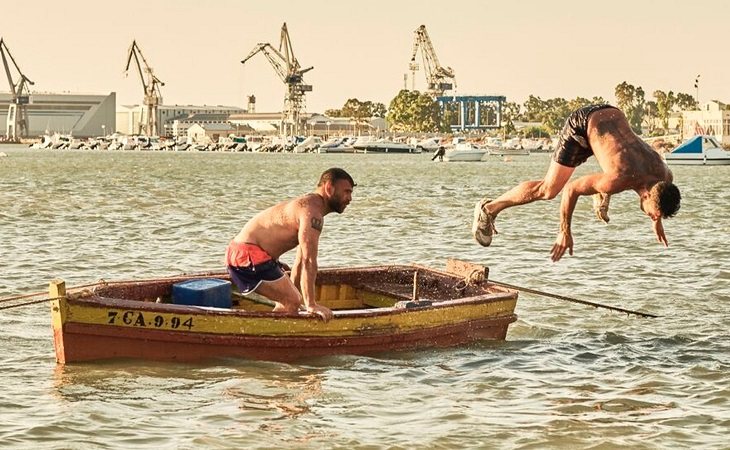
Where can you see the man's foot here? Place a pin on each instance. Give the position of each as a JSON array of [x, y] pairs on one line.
[[600, 206], [483, 226]]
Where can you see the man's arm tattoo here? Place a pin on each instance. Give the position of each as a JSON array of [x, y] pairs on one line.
[[317, 223]]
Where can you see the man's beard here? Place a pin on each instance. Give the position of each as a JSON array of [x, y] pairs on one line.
[[336, 205]]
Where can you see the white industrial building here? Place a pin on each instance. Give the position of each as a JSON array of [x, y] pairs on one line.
[[80, 115], [713, 118], [173, 120]]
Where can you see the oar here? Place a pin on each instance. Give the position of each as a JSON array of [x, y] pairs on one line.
[[570, 299]]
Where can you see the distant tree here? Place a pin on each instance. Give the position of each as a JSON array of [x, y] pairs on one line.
[[535, 109], [650, 116], [536, 132], [511, 110], [557, 112], [510, 113], [449, 116], [379, 110], [664, 104], [358, 110], [630, 100], [553, 112], [685, 102], [413, 111]]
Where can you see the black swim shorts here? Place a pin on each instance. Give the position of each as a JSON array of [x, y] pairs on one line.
[[573, 148], [249, 278]]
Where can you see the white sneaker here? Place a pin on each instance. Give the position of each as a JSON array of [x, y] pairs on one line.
[[483, 225], [600, 206]]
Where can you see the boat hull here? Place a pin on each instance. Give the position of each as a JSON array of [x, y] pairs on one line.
[[86, 342], [458, 156], [94, 326], [696, 161]]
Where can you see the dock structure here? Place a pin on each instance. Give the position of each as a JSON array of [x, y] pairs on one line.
[[473, 112]]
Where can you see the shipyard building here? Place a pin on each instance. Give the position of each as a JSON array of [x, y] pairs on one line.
[[77, 114], [174, 120]]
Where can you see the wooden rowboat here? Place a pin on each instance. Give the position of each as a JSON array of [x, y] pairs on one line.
[[376, 309]]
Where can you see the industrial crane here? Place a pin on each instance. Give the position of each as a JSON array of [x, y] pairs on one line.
[[291, 73], [438, 78], [151, 85], [17, 123]]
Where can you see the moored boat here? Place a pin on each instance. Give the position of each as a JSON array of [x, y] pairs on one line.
[[698, 150], [464, 152], [368, 145], [376, 309]]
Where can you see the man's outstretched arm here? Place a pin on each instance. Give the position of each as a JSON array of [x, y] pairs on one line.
[[586, 185], [659, 231]]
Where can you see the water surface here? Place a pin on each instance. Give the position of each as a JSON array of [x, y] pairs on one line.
[[568, 376]]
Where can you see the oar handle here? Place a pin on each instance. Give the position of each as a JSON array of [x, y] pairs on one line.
[[574, 300]]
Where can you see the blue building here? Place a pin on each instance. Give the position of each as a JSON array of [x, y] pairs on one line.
[[473, 112]]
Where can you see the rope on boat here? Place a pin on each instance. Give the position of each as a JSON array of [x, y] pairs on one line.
[[100, 282], [32, 302], [476, 276], [574, 300]]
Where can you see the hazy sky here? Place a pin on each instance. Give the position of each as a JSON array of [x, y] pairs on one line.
[[361, 49]]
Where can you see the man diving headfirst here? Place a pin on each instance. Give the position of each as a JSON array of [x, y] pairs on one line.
[[627, 162]]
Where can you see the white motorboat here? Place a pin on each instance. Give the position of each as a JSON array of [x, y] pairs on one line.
[[463, 152], [338, 145], [698, 150], [383, 146], [308, 145], [429, 144]]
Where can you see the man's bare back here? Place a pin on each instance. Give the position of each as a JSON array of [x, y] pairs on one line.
[[276, 229], [629, 161]]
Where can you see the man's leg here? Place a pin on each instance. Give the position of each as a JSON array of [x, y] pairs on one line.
[[526, 192], [283, 293], [556, 178]]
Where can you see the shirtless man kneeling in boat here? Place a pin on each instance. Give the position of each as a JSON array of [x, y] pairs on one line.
[[253, 255], [627, 163]]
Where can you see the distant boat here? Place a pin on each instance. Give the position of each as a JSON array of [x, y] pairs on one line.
[[383, 146], [337, 145], [513, 147], [698, 150], [465, 151]]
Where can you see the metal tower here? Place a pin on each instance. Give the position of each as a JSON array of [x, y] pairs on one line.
[[289, 70]]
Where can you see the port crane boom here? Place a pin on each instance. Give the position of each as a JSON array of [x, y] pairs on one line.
[[289, 70], [17, 122], [438, 78], [151, 85]]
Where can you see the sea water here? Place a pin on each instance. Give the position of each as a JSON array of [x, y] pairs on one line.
[[568, 376]]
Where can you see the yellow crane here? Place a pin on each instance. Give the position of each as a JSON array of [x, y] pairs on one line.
[[151, 85], [287, 67], [438, 78], [17, 123]]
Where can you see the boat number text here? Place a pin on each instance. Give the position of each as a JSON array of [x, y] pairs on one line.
[[138, 319]]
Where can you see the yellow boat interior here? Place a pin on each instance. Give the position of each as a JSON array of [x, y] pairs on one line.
[[338, 289]]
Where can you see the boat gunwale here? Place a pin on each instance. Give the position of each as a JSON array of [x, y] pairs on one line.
[[88, 297], [94, 300]]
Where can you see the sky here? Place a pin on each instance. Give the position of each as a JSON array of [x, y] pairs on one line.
[[361, 49]]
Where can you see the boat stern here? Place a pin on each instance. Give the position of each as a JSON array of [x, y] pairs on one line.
[[59, 313]]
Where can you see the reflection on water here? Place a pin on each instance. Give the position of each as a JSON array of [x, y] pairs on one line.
[[567, 376]]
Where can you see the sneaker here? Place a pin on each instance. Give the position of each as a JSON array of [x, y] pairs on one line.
[[600, 206], [483, 226]]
